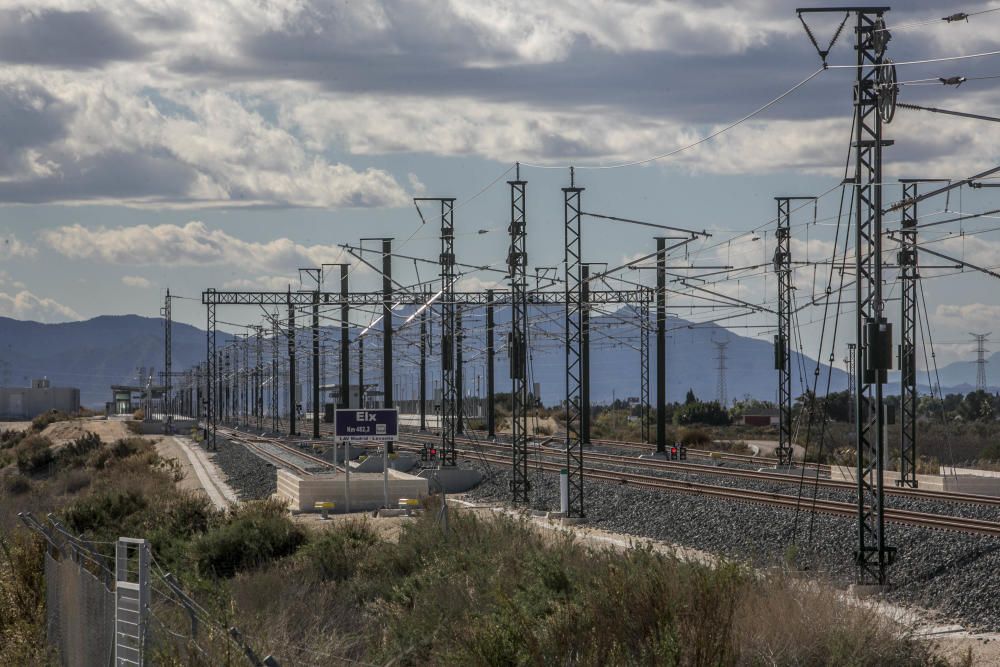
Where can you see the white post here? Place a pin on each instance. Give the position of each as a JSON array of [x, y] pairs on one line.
[[564, 492], [347, 479], [385, 472]]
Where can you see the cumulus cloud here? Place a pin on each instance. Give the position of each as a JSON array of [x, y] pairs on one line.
[[244, 103], [24, 305], [72, 39], [136, 281], [969, 313], [11, 247], [195, 149], [192, 244]]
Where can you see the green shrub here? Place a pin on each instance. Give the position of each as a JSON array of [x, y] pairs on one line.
[[698, 412], [75, 480], [335, 553], [75, 453], [9, 438], [694, 437], [34, 454], [52, 416], [16, 485], [120, 449], [255, 534], [109, 511]]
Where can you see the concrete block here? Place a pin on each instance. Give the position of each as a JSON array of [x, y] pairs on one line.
[[303, 492], [402, 462], [953, 483], [451, 480]]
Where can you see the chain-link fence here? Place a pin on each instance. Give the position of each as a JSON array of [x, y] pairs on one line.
[[79, 599], [83, 624]]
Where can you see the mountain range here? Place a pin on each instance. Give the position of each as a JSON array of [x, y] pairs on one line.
[[97, 353]]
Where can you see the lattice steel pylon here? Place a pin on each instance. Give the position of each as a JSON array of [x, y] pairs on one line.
[[783, 339], [644, 369], [211, 383], [446, 261], [517, 262], [574, 299], [258, 382], [168, 380], [275, 351], [720, 367], [981, 359], [908, 277], [874, 103]]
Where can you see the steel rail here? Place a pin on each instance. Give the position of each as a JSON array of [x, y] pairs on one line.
[[255, 444], [905, 517], [775, 477]]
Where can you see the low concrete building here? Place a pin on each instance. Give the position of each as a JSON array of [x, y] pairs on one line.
[[29, 402]]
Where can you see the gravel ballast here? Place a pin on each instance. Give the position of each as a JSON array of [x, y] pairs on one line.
[[249, 475]]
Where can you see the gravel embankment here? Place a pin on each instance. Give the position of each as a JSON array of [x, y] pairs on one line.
[[249, 475], [946, 571]]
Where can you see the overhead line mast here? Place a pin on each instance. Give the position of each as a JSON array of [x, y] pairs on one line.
[[517, 262], [783, 339], [874, 104]]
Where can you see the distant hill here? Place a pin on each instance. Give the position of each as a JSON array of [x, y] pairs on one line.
[[960, 376], [96, 353], [92, 354]]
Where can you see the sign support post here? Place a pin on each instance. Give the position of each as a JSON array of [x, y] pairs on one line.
[[379, 425]]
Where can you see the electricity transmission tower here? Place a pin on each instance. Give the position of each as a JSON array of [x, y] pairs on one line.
[[720, 359], [981, 359]]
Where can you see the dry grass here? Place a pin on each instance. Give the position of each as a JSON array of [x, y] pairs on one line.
[[488, 591]]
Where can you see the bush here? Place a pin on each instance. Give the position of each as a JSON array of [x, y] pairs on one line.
[[10, 438], [257, 533], [694, 437], [16, 485], [34, 454], [79, 448], [336, 553], [712, 414], [120, 449], [75, 480], [111, 510], [52, 416], [139, 415]]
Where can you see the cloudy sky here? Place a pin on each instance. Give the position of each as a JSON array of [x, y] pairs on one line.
[[147, 144]]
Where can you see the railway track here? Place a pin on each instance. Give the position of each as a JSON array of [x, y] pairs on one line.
[[285, 455], [832, 507], [748, 459], [785, 478], [279, 453]]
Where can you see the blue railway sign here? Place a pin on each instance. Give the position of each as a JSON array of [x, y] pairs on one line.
[[372, 425]]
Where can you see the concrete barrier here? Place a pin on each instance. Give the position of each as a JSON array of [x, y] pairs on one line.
[[303, 492], [961, 483]]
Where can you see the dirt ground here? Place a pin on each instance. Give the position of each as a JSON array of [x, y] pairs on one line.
[[388, 528], [15, 426], [168, 449], [61, 433], [547, 425]]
